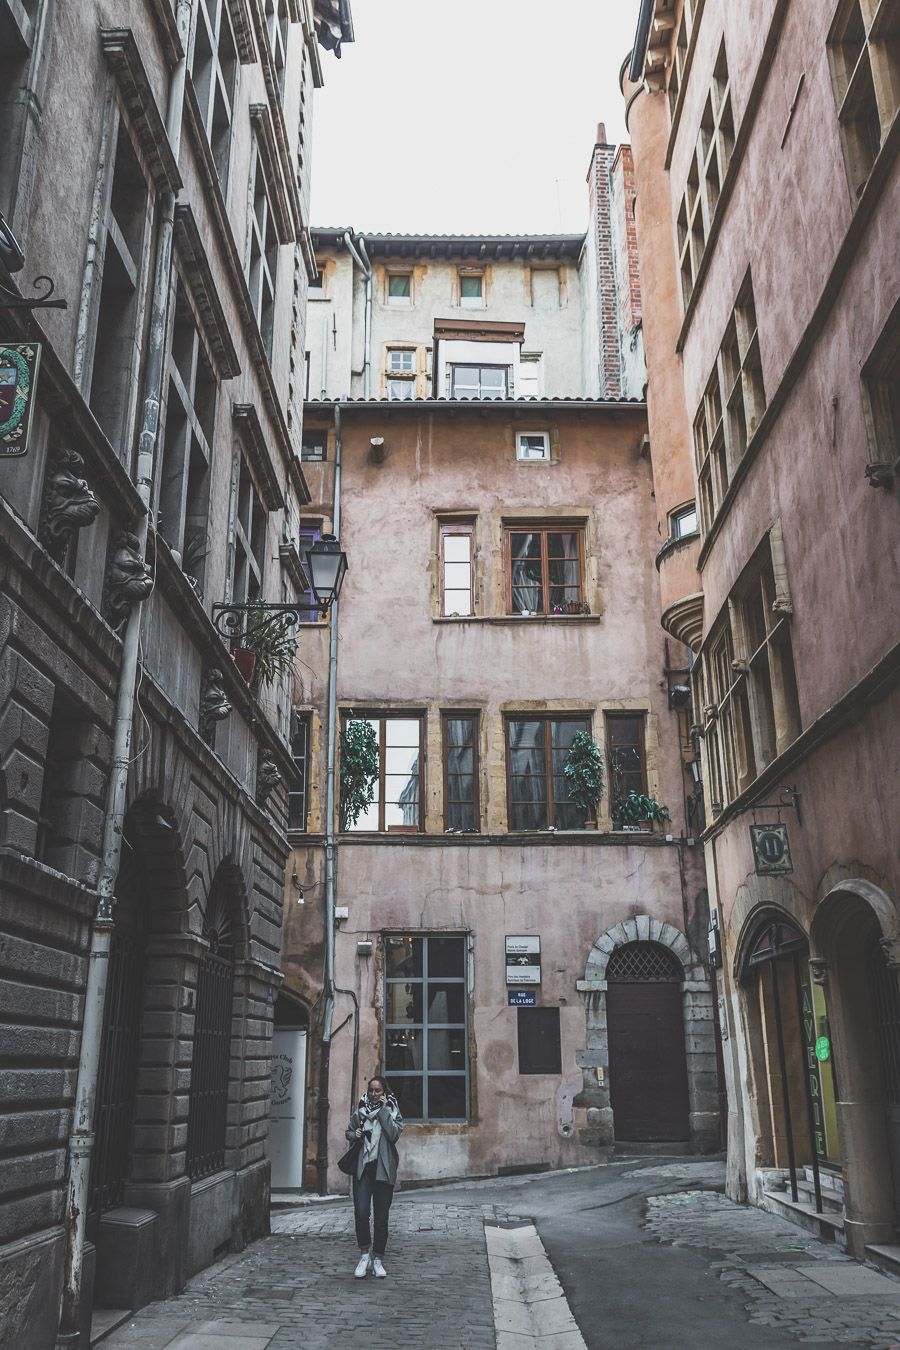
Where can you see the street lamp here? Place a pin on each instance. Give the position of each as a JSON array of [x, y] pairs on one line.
[[324, 568]]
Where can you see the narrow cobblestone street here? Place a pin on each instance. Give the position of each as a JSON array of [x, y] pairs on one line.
[[638, 1246]]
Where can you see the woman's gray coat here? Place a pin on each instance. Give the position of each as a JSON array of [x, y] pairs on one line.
[[388, 1158]]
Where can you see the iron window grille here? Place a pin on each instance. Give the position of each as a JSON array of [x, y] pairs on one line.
[[643, 963], [426, 1055]]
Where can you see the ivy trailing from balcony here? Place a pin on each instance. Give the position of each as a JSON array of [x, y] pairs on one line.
[[360, 761]]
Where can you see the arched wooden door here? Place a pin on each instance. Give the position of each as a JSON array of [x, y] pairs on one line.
[[645, 1029]]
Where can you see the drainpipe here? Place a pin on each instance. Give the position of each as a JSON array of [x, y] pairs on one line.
[[330, 845], [323, 382], [81, 1138], [357, 251]]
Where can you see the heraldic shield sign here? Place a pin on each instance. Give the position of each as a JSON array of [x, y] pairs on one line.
[[19, 364]]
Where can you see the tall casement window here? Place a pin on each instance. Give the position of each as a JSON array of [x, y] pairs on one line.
[[277, 21], [398, 804], [306, 537], [187, 441], [680, 51], [117, 345], [250, 526], [298, 795], [461, 798], [881, 379], [457, 568], [864, 46], [706, 175], [625, 758], [733, 403], [400, 377], [536, 752], [263, 257], [425, 1032], [214, 64], [480, 381], [747, 690], [544, 567]]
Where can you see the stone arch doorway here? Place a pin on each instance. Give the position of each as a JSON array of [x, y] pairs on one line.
[[855, 944], [647, 1060], [698, 1030]]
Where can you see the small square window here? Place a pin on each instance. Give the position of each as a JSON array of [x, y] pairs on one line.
[[317, 287], [683, 522], [471, 290], [314, 444], [532, 445], [399, 288], [401, 362]]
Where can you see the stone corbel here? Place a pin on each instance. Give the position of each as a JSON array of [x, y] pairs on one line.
[[69, 504], [214, 705], [818, 969], [129, 579], [891, 948], [782, 603], [268, 776]]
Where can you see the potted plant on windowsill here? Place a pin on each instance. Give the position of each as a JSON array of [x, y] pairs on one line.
[[637, 811], [584, 776]]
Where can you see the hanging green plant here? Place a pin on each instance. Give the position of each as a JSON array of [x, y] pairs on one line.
[[273, 642], [584, 774], [359, 769]]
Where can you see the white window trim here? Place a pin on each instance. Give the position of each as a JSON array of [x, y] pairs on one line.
[[529, 457], [403, 301]]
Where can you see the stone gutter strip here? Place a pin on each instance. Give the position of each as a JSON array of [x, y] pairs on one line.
[[530, 1308]]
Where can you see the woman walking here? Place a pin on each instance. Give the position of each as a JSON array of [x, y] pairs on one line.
[[376, 1124]]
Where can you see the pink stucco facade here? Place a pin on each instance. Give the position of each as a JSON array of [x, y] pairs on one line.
[[812, 228]]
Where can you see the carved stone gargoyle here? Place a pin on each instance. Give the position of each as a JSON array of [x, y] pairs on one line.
[[69, 505], [128, 578], [268, 776], [214, 705]]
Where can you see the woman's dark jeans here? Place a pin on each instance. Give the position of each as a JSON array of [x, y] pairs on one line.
[[366, 1190]]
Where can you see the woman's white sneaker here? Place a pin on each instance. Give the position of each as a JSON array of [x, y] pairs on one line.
[[363, 1266], [378, 1267]]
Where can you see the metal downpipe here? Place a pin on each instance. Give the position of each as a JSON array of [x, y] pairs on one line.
[[81, 1138]]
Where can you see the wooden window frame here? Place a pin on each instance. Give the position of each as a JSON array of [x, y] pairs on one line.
[[382, 716], [610, 716], [542, 527], [459, 715], [455, 528], [731, 408], [529, 715]]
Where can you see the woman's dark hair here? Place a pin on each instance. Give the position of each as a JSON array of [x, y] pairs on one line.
[[377, 1078]]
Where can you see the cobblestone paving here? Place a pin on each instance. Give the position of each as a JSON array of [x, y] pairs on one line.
[[296, 1288], [783, 1276]]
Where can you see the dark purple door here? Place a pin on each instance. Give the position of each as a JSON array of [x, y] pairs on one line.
[[647, 1066]]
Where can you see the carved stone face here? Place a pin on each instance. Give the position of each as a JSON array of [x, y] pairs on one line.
[[70, 502]]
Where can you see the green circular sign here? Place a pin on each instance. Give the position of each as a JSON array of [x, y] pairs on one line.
[[823, 1048]]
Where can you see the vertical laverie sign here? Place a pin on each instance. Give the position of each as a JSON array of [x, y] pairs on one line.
[[19, 362], [523, 960]]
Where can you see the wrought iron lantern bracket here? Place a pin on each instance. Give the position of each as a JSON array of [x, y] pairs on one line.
[[788, 797], [11, 300], [230, 621]]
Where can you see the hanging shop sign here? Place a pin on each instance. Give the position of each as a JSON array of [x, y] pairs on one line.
[[521, 998], [771, 850], [523, 960], [19, 362]]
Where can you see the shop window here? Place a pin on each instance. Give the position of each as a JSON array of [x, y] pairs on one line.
[[398, 802], [460, 742], [426, 1056], [539, 1040], [536, 752]]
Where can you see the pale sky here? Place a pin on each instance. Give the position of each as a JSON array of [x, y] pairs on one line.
[[468, 116]]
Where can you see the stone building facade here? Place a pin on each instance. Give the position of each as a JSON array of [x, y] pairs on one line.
[[476, 433], [768, 192], [161, 180]]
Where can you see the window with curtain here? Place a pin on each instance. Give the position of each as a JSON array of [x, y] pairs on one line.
[[536, 752], [461, 805], [397, 805], [544, 567], [425, 1042]]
